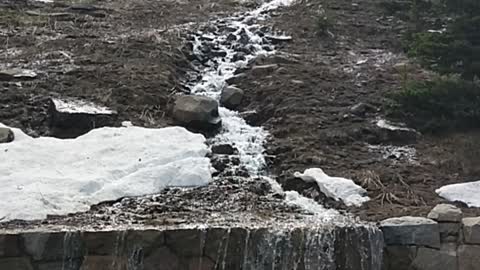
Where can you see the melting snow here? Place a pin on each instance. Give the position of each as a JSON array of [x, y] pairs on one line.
[[51, 176], [80, 106], [382, 123], [463, 192], [335, 187]]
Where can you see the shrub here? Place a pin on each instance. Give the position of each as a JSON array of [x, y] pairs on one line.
[[439, 105]]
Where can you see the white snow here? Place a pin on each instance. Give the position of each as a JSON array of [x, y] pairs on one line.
[[335, 187], [80, 106], [41, 176], [463, 192]]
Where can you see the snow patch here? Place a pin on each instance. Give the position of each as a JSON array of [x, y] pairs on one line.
[[42, 176], [335, 187], [463, 192], [382, 123], [80, 106], [309, 205]]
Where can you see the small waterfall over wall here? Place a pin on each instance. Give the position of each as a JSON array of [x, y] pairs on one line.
[[322, 248]]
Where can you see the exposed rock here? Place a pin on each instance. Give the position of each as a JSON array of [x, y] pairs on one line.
[[231, 97], [434, 259], [399, 257], [69, 118], [264, 70], [468, 257], [223, 149], [445, 213], [471, 230], [411, 231], [6, 135], [449, 232], [197, 112]]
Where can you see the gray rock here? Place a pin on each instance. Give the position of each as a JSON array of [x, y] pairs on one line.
[[6, 135], [71, 117], [445, 213], [231, 97], [434, 259], [264, 70], [360, 109], [468, 257], [197, 112], [449, 232], [471, 230], [399, 257], [411, 231]]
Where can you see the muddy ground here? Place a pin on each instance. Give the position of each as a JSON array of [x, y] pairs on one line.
[[308, 103], [127, 55], [122, 54]]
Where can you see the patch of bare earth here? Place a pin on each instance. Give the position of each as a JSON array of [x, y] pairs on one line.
[[307, 100], [122, 54]]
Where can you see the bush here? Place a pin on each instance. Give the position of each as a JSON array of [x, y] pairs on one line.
[[439, 105], [324, 23]]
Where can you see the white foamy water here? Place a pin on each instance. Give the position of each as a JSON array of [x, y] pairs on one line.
[[247, 139]]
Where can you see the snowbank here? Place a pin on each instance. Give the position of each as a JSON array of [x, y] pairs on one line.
[[51, 176], [463, 192], [335, 187]]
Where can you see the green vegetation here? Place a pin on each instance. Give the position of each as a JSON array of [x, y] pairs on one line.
[[451, 101], [443, 104], [457, 48], [324, 23]]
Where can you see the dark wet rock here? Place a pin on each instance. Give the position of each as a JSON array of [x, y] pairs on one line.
[[399, 257], [231, 37], [218, 53], [240, 56], [244, 38], [223, 149], [6, 135], [433, 259], [236, 78], [197, 112], [70, 118], [231, 97]]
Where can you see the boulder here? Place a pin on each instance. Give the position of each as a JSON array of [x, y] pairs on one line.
[[6, 135], [445, 213], [388, 132], [71, 117], [468, 257], [223, 149], [471, 230], [434, 259], [197, 112], [231, 97], [411, 231]]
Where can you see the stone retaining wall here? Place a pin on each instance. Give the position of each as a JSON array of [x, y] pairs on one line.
[[443, 241], [194, 249]]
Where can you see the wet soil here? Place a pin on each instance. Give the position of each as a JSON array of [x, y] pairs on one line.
[[321, 100], [126, 55]]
